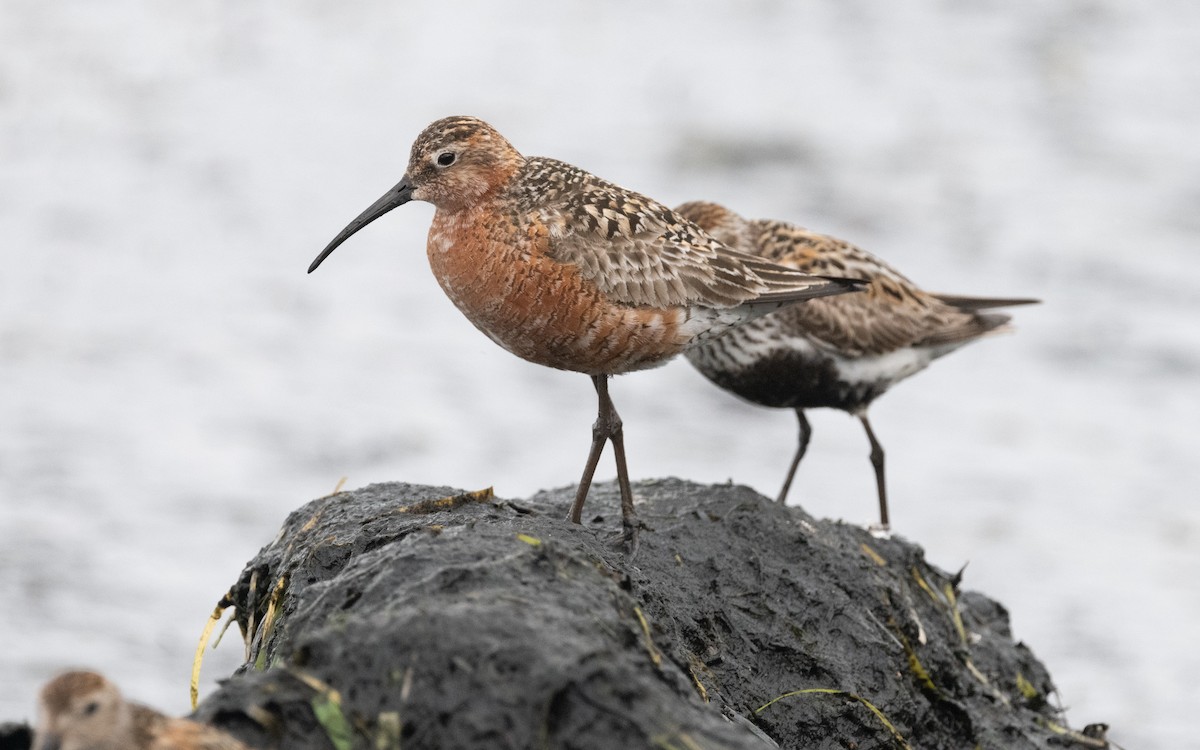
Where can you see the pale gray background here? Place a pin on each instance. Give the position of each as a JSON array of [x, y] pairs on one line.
[[172, 383]]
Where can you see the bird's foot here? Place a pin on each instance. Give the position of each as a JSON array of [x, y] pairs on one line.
[[631, 528]]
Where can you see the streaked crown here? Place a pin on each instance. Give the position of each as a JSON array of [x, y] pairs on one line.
[[457, 160]]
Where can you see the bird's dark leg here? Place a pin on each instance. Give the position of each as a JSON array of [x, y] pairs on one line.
[[629, 522], [805, 434], [599, 437], [877, 462], [607, 427]]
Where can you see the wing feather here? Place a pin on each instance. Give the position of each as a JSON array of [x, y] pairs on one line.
[[890, 314], [650, 256]]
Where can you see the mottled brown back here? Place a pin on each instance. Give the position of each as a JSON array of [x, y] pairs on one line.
[[891, 313]]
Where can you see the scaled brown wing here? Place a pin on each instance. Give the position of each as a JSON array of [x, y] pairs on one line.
[[638, 252], [891, 313]]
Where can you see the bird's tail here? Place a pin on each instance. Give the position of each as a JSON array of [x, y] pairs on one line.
[[984, 303]]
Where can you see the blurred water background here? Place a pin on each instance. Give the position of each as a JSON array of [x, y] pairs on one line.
[[172, 384]]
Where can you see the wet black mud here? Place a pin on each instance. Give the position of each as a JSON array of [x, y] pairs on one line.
[[425, 617]]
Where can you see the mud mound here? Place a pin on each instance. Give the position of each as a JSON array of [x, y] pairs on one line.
[[424, 617]]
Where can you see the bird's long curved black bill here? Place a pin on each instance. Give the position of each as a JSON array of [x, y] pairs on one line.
[[397, 196]]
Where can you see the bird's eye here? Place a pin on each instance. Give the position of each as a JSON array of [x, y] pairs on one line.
[[91, 708], [446, 158]]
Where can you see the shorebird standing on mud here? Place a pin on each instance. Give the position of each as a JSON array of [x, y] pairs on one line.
[[569, 271], [842, 352]]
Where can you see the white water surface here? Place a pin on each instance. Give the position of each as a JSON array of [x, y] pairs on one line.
[[172, 384]]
